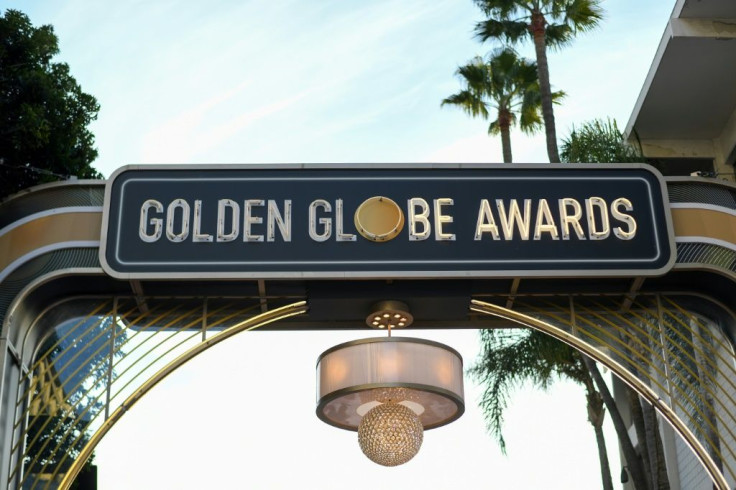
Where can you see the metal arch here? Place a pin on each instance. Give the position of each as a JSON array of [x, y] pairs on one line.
[[250, 324], [586, 325], [669, 413], [41, 407]]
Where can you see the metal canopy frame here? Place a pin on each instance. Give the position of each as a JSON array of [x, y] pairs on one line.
[[670, 338], [94, 357]]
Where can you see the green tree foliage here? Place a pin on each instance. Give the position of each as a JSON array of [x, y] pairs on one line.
[[598, 141], [513, 357], [506, 85], [548, 23], [44, 114]]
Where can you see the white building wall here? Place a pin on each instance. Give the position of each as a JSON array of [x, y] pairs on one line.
[[692, 474]]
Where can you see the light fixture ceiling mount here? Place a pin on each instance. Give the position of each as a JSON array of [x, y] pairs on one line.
[[389, 314]]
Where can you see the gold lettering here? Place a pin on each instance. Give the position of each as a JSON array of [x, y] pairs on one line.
[[421, 218], [485, 222], [514, 216], [626, 218]]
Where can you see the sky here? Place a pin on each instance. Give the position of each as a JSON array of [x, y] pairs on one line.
[[323, 81]]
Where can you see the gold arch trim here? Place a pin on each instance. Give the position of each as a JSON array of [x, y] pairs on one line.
[[257, 321], [708, 223], [49, 230], [625, 375], [680, 363]]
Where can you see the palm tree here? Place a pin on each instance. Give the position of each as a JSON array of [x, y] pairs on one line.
[[598, 141], [550, 23], [506, 83], [633, 460], [511, 357], [601, 141]]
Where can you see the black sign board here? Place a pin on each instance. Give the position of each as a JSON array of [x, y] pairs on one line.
[[390, 221]]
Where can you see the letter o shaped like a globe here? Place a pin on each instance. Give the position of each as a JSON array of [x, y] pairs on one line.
[[379, 219]]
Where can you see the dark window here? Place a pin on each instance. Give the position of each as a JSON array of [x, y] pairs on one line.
[[683, 166]]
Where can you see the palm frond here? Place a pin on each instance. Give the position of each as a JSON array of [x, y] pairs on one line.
[[507, 361], [505, 81], [558, 96], [510, 31], [558, 35], [583, 15], [504, 9], [469, 102], [494, 127], [531, 119], [475, 75], [512, 358], [598, 141]]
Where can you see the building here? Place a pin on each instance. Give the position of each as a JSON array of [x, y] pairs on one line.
[[684, 121], [685, 116]]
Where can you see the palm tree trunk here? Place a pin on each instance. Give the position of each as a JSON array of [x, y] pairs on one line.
[[637, 418], [632, 459], [603, 458], [506, 143], [596, 416], [545, 89], [660, 480]]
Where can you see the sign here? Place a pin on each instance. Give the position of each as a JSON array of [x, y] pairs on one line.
[[296, 221]]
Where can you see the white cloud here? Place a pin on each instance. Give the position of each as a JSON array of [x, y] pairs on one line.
[[184, 137]]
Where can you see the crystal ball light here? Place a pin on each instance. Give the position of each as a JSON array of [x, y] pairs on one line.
[[390, 434]]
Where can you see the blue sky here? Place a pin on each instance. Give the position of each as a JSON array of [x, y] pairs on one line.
[[318, 81], [322, 81]]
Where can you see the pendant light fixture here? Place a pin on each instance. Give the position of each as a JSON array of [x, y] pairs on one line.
[[390, 389]]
